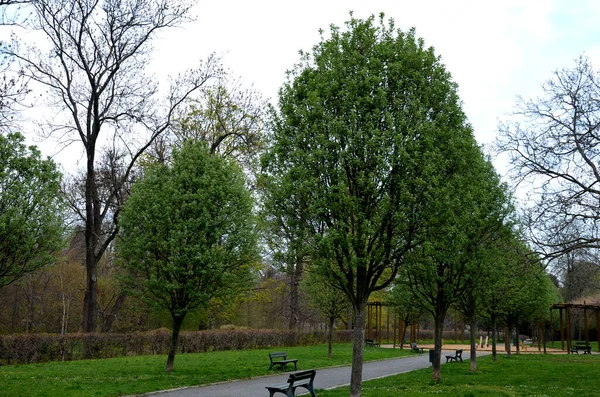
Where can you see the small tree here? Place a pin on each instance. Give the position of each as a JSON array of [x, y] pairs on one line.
[[329, 300], [187, 234], [31, 209]]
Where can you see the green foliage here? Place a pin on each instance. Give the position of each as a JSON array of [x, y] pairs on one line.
[[330, 301], [188, 232], [31, 209], [343, 164]]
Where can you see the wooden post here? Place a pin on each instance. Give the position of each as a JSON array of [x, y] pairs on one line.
[[568, 320], [379, 323], [585, 325], [598, 328], [395, 329], [551, 329], [387, 325], [369, 335], [562, 330]]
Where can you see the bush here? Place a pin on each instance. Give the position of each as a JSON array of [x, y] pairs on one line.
[[37, 348]]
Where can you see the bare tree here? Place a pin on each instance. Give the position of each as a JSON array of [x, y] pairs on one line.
[[95, 77], [554, 147]]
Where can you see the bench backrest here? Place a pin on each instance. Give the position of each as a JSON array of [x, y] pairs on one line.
[[459, 353], [301, 375], [277, 355]]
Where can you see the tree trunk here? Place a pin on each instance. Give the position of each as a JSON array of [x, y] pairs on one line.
[[177, 321], [295, 276], [110, 319], [92, 233], [473, 359], [330, 336], [438, 333], [507, 339], [358, 349], [494, 337]]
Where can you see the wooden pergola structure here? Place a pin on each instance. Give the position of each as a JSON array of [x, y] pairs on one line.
[[375, 312], [565, 322]]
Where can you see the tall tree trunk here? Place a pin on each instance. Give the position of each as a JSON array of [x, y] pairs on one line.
[[438, 333], [473, 359], [330, 336], [295, 276], [177, 321], [494, 337], [358, 349], [92, 234]]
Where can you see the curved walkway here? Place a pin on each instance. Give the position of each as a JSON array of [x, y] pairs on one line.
[[326, 378]]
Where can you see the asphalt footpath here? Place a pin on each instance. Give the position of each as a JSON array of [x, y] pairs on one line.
[[326, 378]]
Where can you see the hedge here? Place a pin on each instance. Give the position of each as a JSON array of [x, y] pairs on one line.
[[38, 348]]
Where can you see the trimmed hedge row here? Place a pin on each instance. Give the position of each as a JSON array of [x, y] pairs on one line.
[[38, 348]]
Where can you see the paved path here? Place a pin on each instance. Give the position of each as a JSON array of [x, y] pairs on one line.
[[326, 378]]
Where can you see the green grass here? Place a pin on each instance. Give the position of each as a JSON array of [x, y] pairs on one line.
[[131, 375], [528, 375]]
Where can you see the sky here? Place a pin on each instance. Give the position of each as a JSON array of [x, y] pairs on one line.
[[495, 50]]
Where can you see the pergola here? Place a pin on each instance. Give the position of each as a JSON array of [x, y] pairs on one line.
[[565, 322]]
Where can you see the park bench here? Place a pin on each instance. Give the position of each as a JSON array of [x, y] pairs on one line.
[[415, 348], [457, 356], [280, 358], [586, 349], [371, 342], [297, 379]]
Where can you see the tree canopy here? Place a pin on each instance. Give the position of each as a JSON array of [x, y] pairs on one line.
[[188, 234], [352, 117], [31, 209]]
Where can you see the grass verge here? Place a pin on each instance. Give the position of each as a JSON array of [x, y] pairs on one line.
[[530, 375], [132, 375]]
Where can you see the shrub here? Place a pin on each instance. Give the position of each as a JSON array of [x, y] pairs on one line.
[[37, 348]]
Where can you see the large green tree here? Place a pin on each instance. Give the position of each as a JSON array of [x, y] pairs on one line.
[[351, 118], [31, 209], [188, 234]]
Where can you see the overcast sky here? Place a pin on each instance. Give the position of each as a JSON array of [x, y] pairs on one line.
[[495, 50]]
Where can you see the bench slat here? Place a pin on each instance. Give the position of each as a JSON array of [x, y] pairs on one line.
[[299, 379]]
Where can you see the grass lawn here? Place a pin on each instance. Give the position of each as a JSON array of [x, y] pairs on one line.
[[527, 375], [131, 375]]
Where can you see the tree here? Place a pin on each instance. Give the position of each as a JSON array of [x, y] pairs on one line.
[[31, 217], [465, 203], [229, 117], [187, 234], [95, 75], [331, 302], [553, 149], [350, 119]]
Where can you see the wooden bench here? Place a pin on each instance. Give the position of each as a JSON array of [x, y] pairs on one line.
[[457, 356], [586, 349], [371, 342], [297, 379], [415, 348], [283, 360]]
